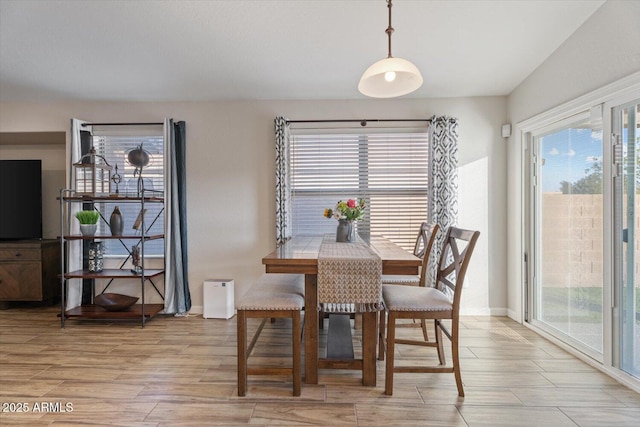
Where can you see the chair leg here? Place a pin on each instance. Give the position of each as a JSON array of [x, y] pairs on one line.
[[391, 337], [297, 370], [456, 357], [439, 346], [242, 353], [425, 334], [381, 332]]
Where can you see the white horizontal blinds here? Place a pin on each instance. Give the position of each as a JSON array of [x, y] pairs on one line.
[[388, 170], [398, 185], [324, 169], [115, 149]]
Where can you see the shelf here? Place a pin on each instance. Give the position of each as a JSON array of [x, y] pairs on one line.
[[111, 199], [110, 237], [98, 313], [112, 273]]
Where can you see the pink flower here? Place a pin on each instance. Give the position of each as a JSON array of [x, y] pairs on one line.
[[351, 203]]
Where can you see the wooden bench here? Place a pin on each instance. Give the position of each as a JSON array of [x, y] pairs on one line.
[[271, 297]]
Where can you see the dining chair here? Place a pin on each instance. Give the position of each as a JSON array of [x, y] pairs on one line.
[[271, 297], [438, 303], [422, 249]]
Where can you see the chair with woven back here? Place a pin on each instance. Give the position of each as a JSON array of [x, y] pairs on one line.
[[422, 249], [438, 303]]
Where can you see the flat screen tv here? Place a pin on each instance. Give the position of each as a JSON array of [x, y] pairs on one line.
[[20, 199]]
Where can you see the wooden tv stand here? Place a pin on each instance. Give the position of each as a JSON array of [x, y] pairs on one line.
[[29, 271]]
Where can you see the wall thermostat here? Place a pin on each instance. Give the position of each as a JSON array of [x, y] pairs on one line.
[[506, 130]]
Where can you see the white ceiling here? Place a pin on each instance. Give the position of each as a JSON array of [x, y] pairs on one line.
[[241, 49]]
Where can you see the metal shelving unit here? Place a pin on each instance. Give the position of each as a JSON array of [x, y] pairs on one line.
[[142, 311]]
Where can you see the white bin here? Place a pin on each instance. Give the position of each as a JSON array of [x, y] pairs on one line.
[[218, 301]]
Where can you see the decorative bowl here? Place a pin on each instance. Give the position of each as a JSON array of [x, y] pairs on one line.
[[114, 302]]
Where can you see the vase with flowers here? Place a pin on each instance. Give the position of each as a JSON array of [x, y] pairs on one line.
[[346, 213]]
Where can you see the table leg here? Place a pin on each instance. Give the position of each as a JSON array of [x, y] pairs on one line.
[[369, 340], [311, 329]]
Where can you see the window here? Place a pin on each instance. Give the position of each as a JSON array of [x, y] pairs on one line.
[[388, 170], [114, 145]]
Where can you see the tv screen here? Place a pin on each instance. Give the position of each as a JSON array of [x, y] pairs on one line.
[[20, 199]]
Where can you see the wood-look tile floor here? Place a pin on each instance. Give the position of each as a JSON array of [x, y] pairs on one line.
[[182, 372]]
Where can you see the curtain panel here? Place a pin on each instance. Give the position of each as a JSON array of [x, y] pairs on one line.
[[74, 258], [443, 197], [283, 184], [177, 296]]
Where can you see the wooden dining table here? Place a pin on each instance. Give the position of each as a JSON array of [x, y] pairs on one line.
[[299, 255]]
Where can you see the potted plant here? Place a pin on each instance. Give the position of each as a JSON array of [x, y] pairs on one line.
[[88, 221]]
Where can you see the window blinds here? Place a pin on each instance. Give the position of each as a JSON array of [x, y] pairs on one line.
[[388, 170]]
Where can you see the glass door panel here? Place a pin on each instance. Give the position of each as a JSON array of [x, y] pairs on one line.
[[627, 222], [568, 212]]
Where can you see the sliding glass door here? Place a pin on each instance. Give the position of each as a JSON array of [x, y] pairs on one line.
[[581, 226], [567, 177], [626, 139]]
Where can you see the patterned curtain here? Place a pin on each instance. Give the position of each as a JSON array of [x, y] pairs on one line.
[[443, 197], [283, 187]]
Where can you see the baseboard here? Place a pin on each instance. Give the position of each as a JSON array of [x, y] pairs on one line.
[[483, 311], [513, 315], [196, 309]]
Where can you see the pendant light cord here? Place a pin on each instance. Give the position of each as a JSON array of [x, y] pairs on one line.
[[389, 28]]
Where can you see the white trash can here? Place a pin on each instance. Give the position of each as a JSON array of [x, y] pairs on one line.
[[218, 300]]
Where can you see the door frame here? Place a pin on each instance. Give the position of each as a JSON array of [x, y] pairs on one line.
[[594, 115], [618, 103]]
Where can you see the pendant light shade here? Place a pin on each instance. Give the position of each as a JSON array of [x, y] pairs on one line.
[[390, 77]]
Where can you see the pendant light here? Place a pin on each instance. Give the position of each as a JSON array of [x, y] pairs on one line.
[[390, 77]]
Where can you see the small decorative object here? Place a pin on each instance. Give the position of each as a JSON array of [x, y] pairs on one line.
[[138, 222], [346, 213], [117, 179], [114, 302], [92, 178], [139, 157], [135, 260], [96, 257], [88, 221], [116, 222]]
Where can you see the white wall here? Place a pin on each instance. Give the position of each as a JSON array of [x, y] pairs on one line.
[[231, 183], [604, 49]]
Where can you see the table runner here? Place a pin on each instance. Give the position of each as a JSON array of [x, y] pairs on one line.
[[349, 277]]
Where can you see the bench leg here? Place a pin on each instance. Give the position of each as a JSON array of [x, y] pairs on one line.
[[242, 353], [296, 350]]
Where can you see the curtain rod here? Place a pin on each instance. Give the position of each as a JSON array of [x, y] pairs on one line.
[[122, 124], [362, 122]]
